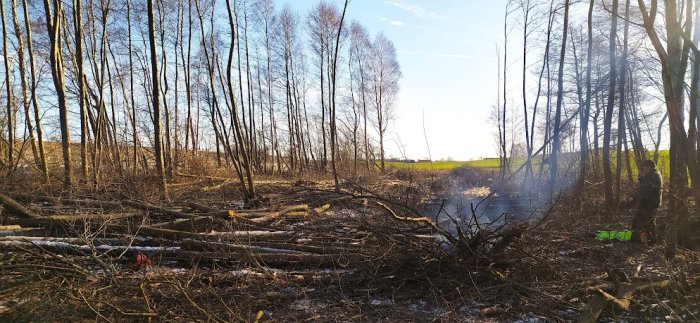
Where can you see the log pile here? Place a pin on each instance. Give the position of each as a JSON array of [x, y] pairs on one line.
[[286, 236]]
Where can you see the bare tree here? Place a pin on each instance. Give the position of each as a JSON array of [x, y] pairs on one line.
[[10, 96], [53, 25], [386, 73], [35, 104], [78, 25], [23, 84], [527, 7], [621, 132], [160, 167], [586, 110], [361, 49], [673, 58], [557, 115], [321, 22], [607, 123], [505, 165], [247, 186], [334, 130]]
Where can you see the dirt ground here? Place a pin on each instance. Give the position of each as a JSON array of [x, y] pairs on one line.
[[309, 253]]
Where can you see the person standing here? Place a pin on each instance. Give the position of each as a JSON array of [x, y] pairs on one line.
[[648, 200]]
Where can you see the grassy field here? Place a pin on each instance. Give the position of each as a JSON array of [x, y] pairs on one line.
[[481, 163], [492, 163]]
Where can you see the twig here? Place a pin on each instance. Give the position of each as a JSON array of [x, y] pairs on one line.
[[145, 296], [179, 287], [146, 314], [423, 219], [80, 292]]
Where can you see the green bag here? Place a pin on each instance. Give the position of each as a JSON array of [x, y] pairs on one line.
[[622, 235]]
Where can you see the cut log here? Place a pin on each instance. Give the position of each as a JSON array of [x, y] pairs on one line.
[[248, 214], [52, 240], [231, 236], [253, 236], [199, 245], [200, 207], [168, 234], [241, 216], [16, 230], [318, 249], [300, 210], [77, 246], [12, 207], [64, 219], [106, 205], [202, 223], [621, 300], [236, 217]]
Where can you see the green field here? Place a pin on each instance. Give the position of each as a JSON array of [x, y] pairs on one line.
[[493, 163], [481, 163]]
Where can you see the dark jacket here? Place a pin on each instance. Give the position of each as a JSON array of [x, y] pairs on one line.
[[649, 191]]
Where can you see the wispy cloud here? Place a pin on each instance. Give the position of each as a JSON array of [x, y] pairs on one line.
[[436, 54], [414, 9], [392, 22]]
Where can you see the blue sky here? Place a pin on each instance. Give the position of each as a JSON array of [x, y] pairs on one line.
[[447, 52]]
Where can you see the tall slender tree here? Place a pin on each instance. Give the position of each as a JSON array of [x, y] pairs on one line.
[[586, 110], [78, 25], [155, 94], [554, 166], [53, 24], [607, 122], [386, 73], [35, 104], [334, 128], [23, 83], [10, 97]]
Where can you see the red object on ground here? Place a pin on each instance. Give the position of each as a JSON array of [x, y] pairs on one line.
[[141, 262]]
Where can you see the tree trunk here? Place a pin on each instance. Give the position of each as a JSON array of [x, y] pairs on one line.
[[526, 22], [53, 25], [35, 103], [694, 116], [504, 153], [23, 82], [160, 167], [10, 97], [586, 110], [621, 132], [557, 114], [78, 24], [673, 58], [334, 130], [607, 122], [134, 134], [249, 187]]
